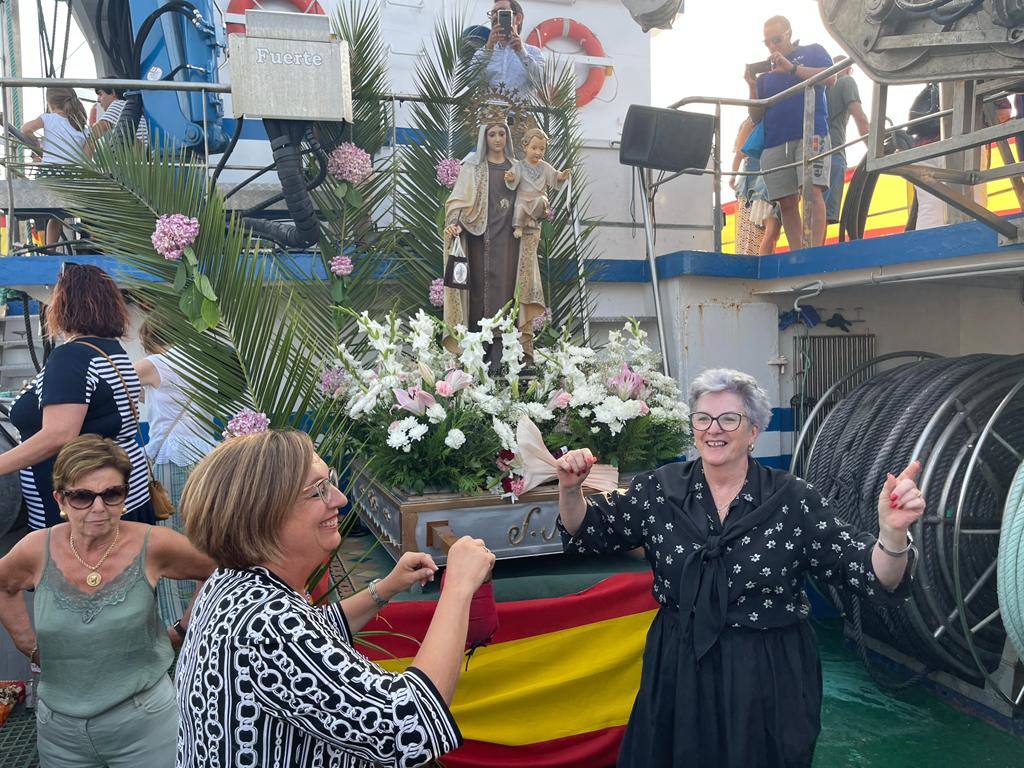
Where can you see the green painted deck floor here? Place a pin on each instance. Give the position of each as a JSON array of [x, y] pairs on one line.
[[862, 727]]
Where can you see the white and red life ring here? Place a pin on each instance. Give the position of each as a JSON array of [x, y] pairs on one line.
[[234, 16], [570, 29]]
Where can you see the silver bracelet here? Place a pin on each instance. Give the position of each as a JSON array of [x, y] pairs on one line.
[[897, 552], [374, 595]]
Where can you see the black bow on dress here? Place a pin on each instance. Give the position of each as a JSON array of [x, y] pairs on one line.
[[703, 587]]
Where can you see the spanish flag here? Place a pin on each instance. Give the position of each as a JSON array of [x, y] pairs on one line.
[[555, 687]]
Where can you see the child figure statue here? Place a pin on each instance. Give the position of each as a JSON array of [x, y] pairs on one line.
[[531, 179]]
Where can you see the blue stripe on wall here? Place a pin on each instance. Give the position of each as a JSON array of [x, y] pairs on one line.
[[782, 420]]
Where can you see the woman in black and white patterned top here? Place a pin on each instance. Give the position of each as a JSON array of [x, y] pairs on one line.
[[86, 387], [267, 680], [731, 676]]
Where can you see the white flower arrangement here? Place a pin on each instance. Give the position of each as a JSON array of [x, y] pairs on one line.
[[436, 420]]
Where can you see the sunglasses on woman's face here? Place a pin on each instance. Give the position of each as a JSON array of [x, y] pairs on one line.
[[82, 499]]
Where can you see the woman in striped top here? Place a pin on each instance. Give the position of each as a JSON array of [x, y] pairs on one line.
[[266, 679], [84, 388]]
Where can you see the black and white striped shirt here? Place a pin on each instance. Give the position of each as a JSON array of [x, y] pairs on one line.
[[77, 374], [266, 680]]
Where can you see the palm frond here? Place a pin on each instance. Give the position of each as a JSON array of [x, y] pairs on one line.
[[267, 350]]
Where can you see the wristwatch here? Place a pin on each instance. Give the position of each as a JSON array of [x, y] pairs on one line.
[[897, 552]]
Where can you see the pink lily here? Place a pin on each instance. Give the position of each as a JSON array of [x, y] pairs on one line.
[[414, 400], [628, 384], [559, 400], [454, 382]]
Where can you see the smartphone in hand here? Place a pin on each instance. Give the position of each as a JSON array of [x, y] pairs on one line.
[[505, 22], [759, 67]]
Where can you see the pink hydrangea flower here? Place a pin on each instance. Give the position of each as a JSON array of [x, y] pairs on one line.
[[173, 234], [437, 292], [540, 322], [349, 163], [247, 422], [448, 172], [341, 265], [333, 379]]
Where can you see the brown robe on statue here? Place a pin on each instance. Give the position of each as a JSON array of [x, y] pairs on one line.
[[500, 266], [493, 256]]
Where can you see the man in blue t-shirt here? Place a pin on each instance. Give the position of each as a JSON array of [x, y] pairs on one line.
[[783, 127]]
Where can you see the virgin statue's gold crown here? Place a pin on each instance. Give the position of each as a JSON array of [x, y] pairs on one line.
[[501, 105]]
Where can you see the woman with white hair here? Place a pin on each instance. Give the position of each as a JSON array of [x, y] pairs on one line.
[[731, 675]]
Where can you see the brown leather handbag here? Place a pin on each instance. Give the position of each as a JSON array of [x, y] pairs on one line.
[[158, 495]]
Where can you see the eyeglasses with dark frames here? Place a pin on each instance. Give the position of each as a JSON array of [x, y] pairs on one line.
[[80, 498], [322, 487], [728, 422]]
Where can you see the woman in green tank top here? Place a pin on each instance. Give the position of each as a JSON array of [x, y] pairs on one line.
[[104, 698]]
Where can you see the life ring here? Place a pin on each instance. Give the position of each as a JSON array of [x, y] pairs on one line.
[[235, 14], [570, 29]]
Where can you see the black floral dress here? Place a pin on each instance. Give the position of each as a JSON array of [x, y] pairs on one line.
[[731, 676]]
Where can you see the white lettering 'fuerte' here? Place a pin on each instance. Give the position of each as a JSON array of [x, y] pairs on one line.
[[305, 58]]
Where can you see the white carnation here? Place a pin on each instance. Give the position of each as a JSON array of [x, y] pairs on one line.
[[416, 433], [436, 413], [455, 439], [397, 438]]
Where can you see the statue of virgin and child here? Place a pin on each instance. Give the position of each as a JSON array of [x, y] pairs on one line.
[[496, 210]]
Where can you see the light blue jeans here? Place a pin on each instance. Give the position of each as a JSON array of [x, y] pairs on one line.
[[141, 732]]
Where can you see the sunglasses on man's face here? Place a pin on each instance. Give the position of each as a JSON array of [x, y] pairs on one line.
[[83, 499], [777, 40]]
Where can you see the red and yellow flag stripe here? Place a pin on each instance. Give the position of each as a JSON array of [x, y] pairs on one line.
[[555, 687]]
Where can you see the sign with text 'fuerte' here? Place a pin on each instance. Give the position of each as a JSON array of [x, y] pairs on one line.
[[289, 66]]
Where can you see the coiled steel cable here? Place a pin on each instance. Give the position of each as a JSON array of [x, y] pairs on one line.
[[950, 413]]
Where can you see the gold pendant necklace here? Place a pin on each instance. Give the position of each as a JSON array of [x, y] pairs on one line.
[[94, 579]]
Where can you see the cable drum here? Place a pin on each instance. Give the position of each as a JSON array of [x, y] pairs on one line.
[[964, 419]]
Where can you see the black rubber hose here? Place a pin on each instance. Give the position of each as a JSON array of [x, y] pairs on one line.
[[227, 152], [321, 159], [285, 139]]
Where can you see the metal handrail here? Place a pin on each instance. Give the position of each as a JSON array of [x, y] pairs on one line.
[[806, 156]]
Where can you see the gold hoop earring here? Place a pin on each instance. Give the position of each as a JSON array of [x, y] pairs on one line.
[[750, 448], [63, 515]]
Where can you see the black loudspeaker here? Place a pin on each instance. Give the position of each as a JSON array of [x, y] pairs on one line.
[[666, 139]]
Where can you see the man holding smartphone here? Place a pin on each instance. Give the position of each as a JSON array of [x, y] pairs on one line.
[[783, 127], [506, 58]]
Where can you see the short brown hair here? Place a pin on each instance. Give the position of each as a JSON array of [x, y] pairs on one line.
[[86, 300], [85, 454], [153, 340], [237, 498], [535, 133]]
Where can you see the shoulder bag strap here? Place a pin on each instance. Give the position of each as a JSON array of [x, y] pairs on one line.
[[127, 394]]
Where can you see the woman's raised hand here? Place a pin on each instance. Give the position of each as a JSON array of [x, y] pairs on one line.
[[412, 568], [469, 564], [574, 467], [901, 502]]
